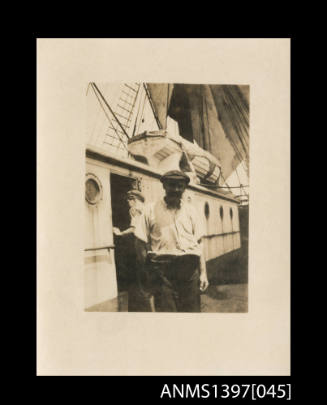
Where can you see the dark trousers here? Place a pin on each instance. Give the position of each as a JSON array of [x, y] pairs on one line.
[[175, 285], [140, 298], [132, 276]]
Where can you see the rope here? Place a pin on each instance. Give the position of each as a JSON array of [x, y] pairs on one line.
[[235, 121], [105, 101], [224, 181], [238, 177], [241, 186], [131, 111], [117, 133]]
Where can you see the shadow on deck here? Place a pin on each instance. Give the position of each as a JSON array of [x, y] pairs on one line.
[[225, 298], [231, 268]]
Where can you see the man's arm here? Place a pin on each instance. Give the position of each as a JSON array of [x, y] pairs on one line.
[[118, 232], [141, 237], [128, 231], [198, 231], [203, 271]]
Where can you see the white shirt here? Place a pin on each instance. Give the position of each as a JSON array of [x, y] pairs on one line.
[[135, 211], [170, 231]]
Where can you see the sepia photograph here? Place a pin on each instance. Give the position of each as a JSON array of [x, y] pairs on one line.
[[163, 206], [167, 197]]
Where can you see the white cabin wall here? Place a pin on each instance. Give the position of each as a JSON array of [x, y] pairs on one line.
[[211, 227], [236, 221], [99, 270], [236, 228], [215, 242], [218, 241], [227, 227], [227, 222]]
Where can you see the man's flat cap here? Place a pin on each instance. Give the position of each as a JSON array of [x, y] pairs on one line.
[[175, 175], [136, 194]]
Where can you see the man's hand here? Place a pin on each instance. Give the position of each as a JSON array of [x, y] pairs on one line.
[[116, 231], [204, 283]]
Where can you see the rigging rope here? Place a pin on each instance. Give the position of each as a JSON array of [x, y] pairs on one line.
[[238, 177], [134, 102], [233, 186], [236, 126], [225, 182], [110, 109], [236, 121], [240, 106], [117, 133]]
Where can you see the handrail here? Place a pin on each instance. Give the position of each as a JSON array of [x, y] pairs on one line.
[[101, 248], [220, 234]]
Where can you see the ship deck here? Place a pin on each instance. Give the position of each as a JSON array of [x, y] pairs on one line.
[[225, 298]]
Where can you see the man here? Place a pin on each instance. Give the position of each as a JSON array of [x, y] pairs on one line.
[[135, 201], [138, 299], [172, 250]]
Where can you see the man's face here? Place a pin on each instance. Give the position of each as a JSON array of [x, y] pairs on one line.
[[131, 201], [174, 188]]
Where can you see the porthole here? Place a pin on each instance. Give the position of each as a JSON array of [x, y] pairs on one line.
[[206, 210], [93, 189], [221, 212]]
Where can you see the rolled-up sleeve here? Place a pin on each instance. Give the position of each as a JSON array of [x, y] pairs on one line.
[[142, 226], [134, 219]]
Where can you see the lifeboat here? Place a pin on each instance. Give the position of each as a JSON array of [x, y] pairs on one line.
[[164, 151]]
